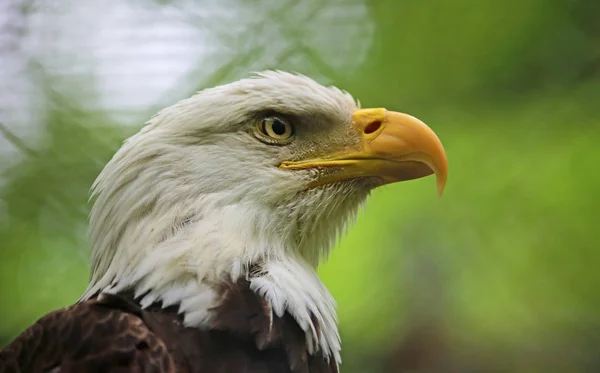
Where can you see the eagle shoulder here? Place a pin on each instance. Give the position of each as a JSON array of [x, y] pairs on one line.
[[97, 335]]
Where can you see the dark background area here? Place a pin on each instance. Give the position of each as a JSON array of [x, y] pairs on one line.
[[499, 275]]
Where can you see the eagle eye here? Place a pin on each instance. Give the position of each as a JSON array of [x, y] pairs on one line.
[[275, 130]]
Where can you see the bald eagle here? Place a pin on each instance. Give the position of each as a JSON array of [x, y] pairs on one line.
[[208, 225]]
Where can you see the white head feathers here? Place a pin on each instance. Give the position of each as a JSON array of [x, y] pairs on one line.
[[194, 199]]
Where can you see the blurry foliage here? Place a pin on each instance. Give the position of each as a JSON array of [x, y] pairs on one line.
[[498, 275]]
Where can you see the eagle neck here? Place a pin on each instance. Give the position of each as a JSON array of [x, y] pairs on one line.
[[190, 268]]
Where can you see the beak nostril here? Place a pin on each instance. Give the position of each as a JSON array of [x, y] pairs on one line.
[[372, 127]]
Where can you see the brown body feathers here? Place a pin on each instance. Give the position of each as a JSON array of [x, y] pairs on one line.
[[113, 334]]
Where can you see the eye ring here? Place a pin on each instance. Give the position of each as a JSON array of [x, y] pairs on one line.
[[276, 130]]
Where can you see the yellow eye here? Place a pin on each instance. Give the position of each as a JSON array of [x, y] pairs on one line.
[[277, 129]]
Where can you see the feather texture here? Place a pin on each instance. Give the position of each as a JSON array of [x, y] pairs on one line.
[[112, 333]]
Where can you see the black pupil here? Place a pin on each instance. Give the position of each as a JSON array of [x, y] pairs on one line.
[[278, 127]]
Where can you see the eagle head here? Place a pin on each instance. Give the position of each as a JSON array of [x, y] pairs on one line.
[[251, 180]]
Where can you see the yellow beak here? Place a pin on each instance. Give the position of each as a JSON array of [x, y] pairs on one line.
[[394, 147]]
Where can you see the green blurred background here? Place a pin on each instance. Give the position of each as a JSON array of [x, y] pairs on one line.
[[499, 275]]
